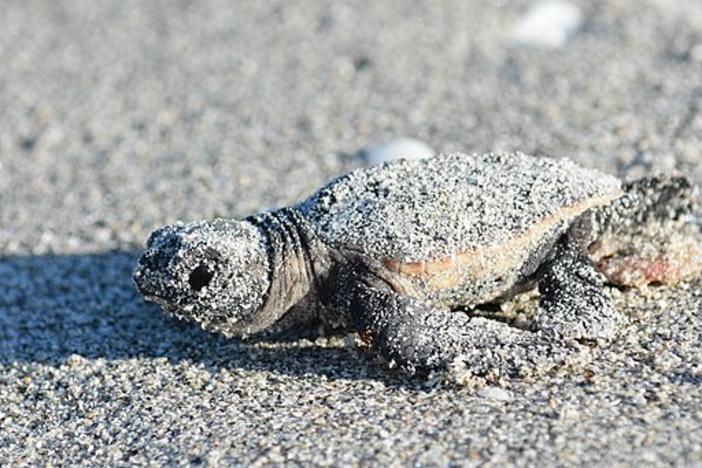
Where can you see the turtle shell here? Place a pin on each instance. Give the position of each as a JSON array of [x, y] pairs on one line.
[[420, 216]]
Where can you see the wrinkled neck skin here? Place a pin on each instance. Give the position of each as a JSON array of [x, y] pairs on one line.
[[299, 261]]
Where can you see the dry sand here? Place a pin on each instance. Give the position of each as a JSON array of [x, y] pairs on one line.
[[118, 117]]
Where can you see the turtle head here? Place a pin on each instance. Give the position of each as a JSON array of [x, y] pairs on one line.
[[215, 273]]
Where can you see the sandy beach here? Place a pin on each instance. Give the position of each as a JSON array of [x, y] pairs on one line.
[[121, 116]]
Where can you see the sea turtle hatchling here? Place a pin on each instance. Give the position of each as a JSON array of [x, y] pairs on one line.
[[402, 252]]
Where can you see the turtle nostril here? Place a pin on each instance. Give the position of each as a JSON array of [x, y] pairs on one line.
[[200, 277], [153, 261], [141, 280]]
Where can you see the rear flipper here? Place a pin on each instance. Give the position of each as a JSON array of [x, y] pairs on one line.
[[651, 199], [642, 237], [572, 302], [418, 337]]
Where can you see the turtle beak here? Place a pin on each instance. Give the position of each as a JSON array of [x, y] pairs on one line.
[[151, 275], [152, 285], [143, 276]]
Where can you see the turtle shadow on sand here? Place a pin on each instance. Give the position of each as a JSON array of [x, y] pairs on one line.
[[56, 306]]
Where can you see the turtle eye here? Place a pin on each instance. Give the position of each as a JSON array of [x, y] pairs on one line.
[[200, 277]]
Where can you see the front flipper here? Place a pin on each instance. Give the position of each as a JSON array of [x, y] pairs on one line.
[[418, 337], [572, 302]]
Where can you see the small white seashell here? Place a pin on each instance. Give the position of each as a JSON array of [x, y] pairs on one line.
[[405, 148], [495, 393], [548, 24]]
